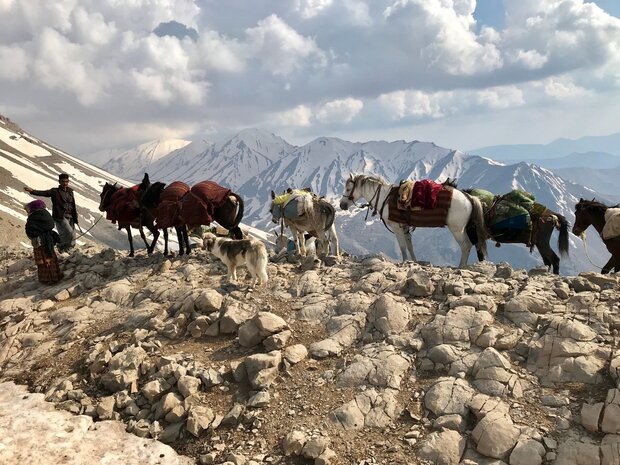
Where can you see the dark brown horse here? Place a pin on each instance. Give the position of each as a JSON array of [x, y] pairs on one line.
[[121, 207], [592, 213], [228, 214], [543, 225]]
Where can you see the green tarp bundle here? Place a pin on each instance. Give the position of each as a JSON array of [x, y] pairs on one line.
[[514, 204]]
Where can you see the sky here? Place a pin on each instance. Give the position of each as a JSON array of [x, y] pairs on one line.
[[90, 75]]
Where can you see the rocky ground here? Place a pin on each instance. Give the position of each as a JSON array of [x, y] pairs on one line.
[[351, 361]]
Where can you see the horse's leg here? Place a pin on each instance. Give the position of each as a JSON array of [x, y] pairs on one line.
[[186, 239], [609, 266], [617, 261], [550, 259], [408, 241], [334, 241], [165, 242], [130, 239], [179, 232], [155, 232], [401, 237], [300, 241], [465, 245], [143, 236]]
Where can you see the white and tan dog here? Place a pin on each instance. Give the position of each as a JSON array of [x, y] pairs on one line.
[[234, 253]]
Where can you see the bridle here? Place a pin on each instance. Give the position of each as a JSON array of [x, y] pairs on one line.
[[374, 198], [350, 196], [104, 198]]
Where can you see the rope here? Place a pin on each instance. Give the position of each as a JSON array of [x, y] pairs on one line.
[[585, 247], [93, 225]]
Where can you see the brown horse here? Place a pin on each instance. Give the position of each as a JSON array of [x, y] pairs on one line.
[[591, 212], [121, 206], [228, 214], [543, 226]]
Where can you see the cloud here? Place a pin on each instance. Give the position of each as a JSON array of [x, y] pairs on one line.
[[14, 63], [445, 33], [310, 8], [59, 64], [499, 98], [280, 49], [414, 103], [563, 88], [298, 116], [321, 65], [339, 111]]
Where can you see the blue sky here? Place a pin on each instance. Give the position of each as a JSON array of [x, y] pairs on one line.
[[87, 75], [491, 12]]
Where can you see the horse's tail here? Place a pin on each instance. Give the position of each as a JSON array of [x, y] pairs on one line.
[[477, 215], [235, 226], [562, 226], [331, 214]]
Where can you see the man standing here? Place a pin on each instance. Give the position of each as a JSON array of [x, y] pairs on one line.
[[63, 210]]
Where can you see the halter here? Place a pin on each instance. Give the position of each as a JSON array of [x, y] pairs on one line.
[[350, 196], [110, 191]]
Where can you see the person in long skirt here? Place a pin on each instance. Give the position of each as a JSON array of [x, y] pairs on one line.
[[40, 230]]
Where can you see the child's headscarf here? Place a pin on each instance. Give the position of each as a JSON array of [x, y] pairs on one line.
[[37, 204]]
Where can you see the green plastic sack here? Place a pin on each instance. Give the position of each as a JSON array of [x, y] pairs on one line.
[[519, 197], [485, 196]]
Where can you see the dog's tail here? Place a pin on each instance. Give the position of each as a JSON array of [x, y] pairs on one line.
[[261, 260]]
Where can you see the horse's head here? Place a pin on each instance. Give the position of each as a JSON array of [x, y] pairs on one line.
[[274, 209], [106, 195], [351, 191], [149, 194], [586, 213]]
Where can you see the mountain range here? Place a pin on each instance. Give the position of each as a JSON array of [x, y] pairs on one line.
[[254, 162], [559, 148]]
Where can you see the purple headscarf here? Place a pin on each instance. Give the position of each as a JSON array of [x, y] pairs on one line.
[[37, 204]]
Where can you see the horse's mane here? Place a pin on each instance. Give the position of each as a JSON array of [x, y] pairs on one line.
[[592, 205], [149, 195], [371, 177], [115, 187]]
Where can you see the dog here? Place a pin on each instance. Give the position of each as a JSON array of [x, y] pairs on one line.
[[236, 252]]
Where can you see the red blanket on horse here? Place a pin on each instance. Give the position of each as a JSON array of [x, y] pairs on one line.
[[428, 218], [168, 211], [425, 194], [198, 206], [124, 206]]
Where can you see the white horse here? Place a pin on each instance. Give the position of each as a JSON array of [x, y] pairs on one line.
[[317, 218], [463, 209]]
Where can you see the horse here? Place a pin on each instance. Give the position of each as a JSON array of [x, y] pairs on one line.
[[316, 218], [546, 222], [228, 214], [110, 195], [464, 218], [592, 213]]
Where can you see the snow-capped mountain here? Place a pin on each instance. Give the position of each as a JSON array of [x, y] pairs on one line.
[[130, 163], [246, 154], [28, 161]]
